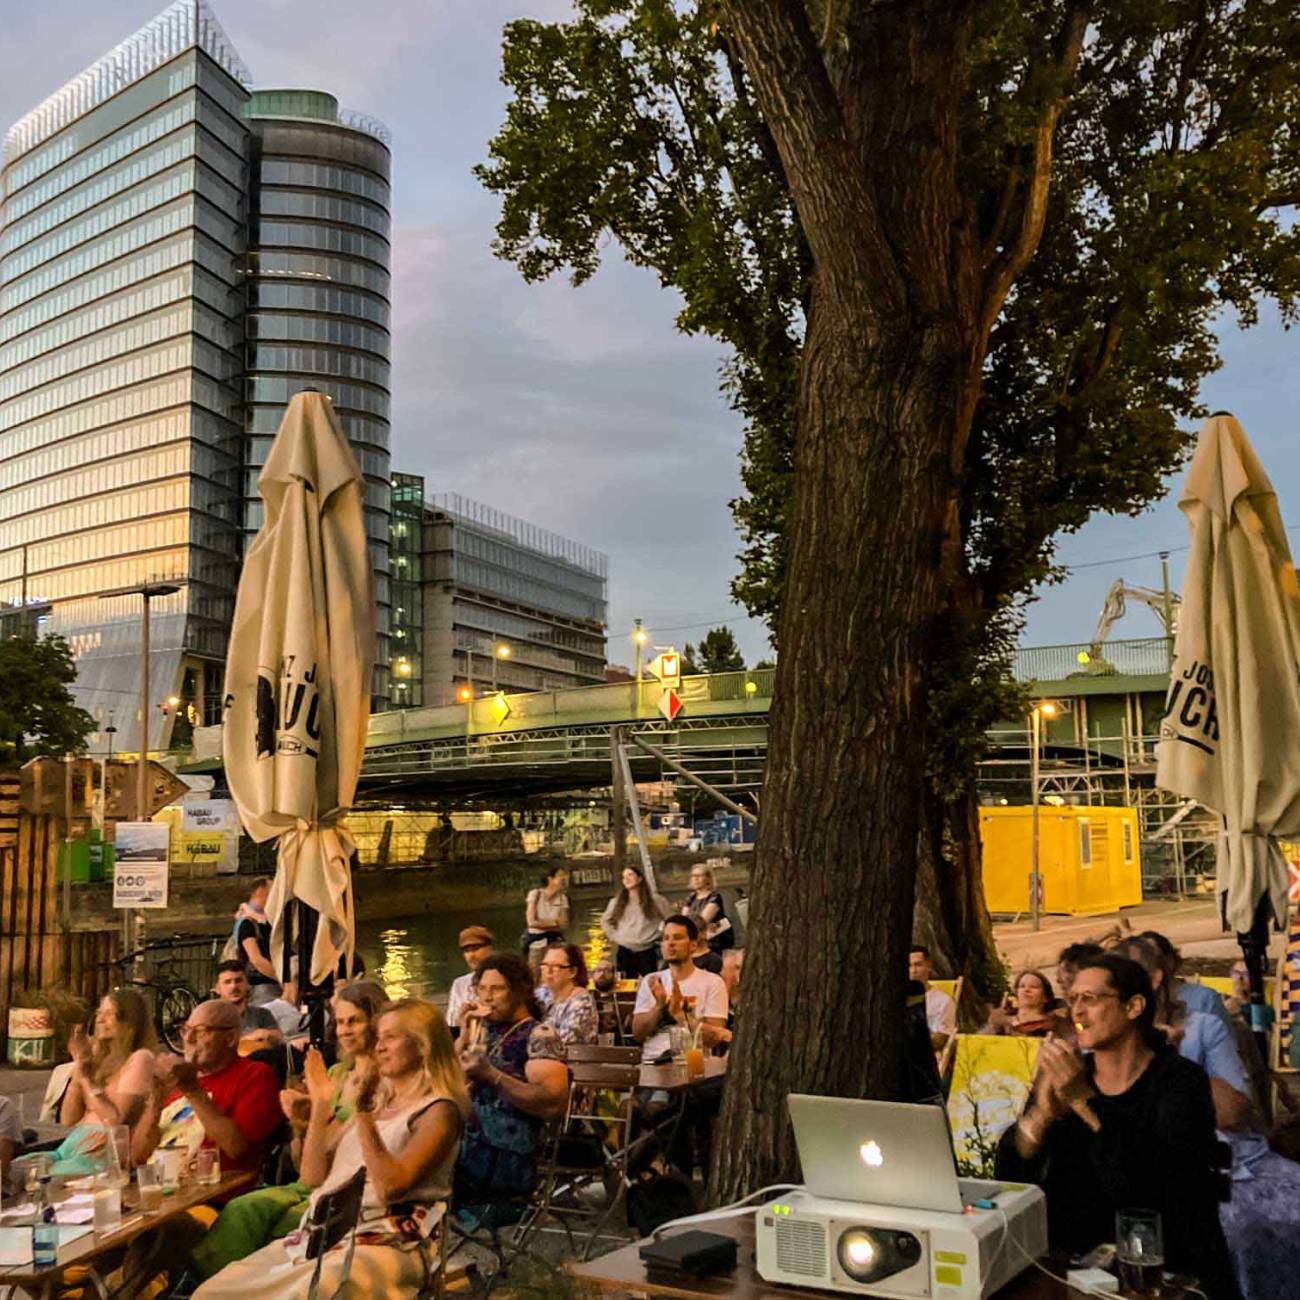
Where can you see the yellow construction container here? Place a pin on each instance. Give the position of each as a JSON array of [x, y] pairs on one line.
[[1088, 858]]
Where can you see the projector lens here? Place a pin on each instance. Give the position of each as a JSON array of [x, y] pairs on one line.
[[870, 1254]]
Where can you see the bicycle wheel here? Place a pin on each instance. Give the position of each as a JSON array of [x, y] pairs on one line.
[[173, 1011]]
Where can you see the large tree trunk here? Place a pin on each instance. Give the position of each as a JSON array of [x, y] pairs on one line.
[[951, 918], [885, 394]]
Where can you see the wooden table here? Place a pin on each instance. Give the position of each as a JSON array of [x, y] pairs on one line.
[[674, 1079], [93, 1248], [621, 1271]]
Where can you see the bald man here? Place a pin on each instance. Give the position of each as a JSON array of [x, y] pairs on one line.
[[212, 1096]]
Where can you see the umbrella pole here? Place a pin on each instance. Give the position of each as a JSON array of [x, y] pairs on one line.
[[1254, 951], [311, 994]]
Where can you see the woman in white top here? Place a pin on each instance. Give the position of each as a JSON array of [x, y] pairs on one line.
[[547, 910], [112, 1079], [632, 921], [405, 1134]]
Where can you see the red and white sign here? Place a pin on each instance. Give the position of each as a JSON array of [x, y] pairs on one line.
[[670, 703]]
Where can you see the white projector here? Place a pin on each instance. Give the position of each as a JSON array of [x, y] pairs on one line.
[[883, 1250]]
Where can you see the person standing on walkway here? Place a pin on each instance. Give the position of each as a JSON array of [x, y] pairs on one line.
[[632, 921], [704, 906], [252, 936], [547, 910]]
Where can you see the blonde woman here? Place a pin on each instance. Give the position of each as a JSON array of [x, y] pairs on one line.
[[111, 1082], [253, 1220], [704, 907], [405, 1132]]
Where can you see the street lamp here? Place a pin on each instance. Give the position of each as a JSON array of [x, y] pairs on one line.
[[499, 651], [639, 638], [1043, 709]]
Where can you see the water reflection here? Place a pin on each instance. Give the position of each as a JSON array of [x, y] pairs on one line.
[[421, 956]]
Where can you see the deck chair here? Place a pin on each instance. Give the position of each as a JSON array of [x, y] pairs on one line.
[[334, 1217], [950, 1047], [592, 1149]]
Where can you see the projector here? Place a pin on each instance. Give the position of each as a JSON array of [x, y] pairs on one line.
[[883, 1250]]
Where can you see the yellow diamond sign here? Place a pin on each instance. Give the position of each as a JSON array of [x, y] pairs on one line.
[[500, 707]]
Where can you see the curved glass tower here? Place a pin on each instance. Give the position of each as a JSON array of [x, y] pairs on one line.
[[318, 296]]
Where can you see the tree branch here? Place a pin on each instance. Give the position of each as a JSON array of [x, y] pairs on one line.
[[1280, 199], [1004, 268], [779, 50]]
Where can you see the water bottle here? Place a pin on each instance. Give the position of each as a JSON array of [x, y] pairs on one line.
[[45, 1231]]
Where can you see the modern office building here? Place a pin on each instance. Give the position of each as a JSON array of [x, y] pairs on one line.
[[489, 602], [318, 295], [178, 255]]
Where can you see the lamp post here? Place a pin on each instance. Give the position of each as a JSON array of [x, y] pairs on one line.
[[639, 638], [1043, 709], [499, 651]]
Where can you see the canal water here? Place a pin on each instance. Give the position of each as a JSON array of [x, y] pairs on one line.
[[420, 957]]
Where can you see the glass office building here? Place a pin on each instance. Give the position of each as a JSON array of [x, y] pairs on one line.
[[122, 242], [178, 257], [318, 296]]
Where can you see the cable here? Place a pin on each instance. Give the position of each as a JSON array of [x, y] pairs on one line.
[[1038, 1264], [732, 1211]]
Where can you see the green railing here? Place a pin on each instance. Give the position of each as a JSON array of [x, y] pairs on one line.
[[1145, 657]]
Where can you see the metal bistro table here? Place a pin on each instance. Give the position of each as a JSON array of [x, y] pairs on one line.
[[622, 1273], [92, 1249]]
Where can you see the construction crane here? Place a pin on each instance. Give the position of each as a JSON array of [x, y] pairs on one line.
[[1164, 604]]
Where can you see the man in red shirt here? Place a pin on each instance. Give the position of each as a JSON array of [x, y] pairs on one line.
[[213, 1096]]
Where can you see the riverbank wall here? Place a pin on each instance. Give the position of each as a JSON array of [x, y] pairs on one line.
[[205, 904]]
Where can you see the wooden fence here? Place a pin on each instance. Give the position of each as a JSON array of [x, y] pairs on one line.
[[37, 949]]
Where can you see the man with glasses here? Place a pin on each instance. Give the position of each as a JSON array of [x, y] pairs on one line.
[[212, 1096], [476, 946], [1130, 1125]]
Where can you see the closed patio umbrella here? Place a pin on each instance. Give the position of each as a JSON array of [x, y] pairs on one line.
[[298, 675], [1230, 736]]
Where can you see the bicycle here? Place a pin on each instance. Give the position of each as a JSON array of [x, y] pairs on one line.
[[171, 997]]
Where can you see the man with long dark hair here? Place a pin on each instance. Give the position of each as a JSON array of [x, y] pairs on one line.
[[1130, 1126]]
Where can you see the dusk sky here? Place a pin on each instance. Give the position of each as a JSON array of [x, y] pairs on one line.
[[580, 410]]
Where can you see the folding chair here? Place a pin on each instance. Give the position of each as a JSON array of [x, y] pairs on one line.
[[334, 1218], [582, 1157], [601, 1054]]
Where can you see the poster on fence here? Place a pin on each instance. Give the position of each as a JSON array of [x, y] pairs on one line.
[[990, 1081], [140, 870]]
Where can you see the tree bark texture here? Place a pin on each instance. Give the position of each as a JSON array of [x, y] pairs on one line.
[[883, 410], [950, 917]]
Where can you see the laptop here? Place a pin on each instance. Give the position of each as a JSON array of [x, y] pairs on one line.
[[880, 1152]]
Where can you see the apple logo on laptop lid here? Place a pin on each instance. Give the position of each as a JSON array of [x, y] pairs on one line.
[[871, 1154]]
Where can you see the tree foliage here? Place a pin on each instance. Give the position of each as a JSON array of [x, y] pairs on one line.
[[38, 717], [716, 652], [1175, 159]]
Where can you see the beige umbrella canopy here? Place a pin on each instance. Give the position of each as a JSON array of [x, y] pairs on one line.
[[1230, 737], [298, 672]]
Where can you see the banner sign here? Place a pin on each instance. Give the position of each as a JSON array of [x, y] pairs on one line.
[[140, 870], [991, 1076], [209, 814]]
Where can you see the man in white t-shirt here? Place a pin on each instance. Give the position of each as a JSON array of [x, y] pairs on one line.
[[940, 1009], [477, 944], [665, 997]]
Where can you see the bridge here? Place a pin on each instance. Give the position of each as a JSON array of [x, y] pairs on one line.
[[507, 746]]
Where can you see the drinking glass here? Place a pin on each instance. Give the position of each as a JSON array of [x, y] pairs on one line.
[[107, 1197], [679, 1039], [37, 1169], [121, 1142], [151, 1192], [170, 1162], [207, 1166], [1139, 1251]]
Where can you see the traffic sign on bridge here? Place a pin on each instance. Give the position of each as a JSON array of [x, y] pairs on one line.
[[670, 703]]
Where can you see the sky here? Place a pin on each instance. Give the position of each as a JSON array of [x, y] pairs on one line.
[[583, 410]]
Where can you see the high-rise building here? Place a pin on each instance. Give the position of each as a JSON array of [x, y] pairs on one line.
[[483, 601], [318, 294], [178, 256]]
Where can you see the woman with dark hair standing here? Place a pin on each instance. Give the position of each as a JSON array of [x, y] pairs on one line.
[[569, 1006], [515, 1065], [1129, 1125], [632, 921]]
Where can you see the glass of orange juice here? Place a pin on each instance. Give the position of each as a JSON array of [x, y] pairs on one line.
[[695, 1061]]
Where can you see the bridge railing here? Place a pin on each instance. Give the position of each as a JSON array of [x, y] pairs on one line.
[[614, 702], [1143, 657]]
